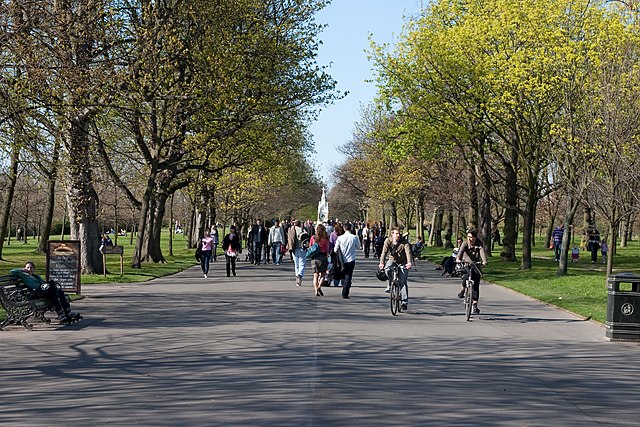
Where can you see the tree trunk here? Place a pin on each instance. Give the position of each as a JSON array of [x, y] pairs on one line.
[[623, 233], [51, 199], [8, 196], [171, 227], [433, 226], [528, 229], [436, 229], [472, 212], [192, 221], [48, 215], [82, 197], [155, 237], [511, 214], [484, 214], [394, 214], [549, 231], [420, 217], [448, 235], [143, 220], [612, 244], [572, 206]]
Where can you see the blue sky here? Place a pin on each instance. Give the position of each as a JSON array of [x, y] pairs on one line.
[[345, 42]]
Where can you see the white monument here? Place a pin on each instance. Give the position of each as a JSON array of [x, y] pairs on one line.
[[323, 209]]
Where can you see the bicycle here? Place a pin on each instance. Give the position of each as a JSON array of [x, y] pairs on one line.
[[395, 297], [468, 288]]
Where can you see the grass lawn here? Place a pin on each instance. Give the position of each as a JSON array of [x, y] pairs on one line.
[[16, 254], [582, 291]]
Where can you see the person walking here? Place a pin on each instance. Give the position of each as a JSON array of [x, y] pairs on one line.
[[205, 246], [347, 244], [366, 240], [216, 241], [338, 231], [557, 234], [594, 244], [231, 248], [257, 236], [297, 251], [604, 250], [276, 240], [320, 262]]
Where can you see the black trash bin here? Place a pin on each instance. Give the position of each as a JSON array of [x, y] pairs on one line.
[[623, 307]]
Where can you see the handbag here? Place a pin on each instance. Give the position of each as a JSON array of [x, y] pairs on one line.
[[198, 254], [313, 251]]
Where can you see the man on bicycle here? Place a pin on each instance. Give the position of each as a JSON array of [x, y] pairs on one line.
[[399, 251], [472, 251]]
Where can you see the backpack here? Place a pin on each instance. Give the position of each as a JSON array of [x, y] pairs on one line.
[[304, 239]]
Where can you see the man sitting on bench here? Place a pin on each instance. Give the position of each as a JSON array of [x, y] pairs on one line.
[[42, 289]]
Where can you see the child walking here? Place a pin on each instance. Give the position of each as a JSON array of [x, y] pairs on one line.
[[604, 248], [575, 254]]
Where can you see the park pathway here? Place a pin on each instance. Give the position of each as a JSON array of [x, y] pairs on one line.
[[255, 350]]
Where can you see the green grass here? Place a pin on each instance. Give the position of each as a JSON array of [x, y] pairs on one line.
[[582, 291], [16, 254]]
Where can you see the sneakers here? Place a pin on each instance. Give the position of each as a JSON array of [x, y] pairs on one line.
[[205, 276], [461, 294], [475, 308], [403, 307], [68, 318], [298, 280], [388, 289]]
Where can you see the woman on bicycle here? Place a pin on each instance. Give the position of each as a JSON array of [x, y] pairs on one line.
[[472, 251], [399, 251]]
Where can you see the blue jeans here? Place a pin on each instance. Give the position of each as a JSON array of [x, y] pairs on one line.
[[204, 261], [403, 276], [557, 246], [299, 260], [257, 252], [276, 255]]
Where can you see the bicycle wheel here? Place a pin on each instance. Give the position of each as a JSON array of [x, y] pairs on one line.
[[394, 298], [468, 301]]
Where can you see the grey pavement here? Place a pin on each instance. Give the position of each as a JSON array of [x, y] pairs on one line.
[[255, 350]]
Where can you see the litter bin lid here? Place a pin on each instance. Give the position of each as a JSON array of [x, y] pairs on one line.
[[625, 276]]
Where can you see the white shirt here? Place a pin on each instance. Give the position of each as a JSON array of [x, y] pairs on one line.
[[276, 234], [365, 233], [347, 243]]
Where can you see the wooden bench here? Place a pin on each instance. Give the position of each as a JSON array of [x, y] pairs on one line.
[[16, 299]]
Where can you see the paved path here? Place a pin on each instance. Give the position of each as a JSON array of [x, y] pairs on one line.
[[255, 350]]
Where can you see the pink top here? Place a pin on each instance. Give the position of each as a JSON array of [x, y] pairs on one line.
[[323, 244], [207, 242]]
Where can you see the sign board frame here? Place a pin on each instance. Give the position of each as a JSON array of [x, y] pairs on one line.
[[63, 264], [117, 250]]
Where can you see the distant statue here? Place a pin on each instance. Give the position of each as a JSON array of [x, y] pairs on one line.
[[323, 209]]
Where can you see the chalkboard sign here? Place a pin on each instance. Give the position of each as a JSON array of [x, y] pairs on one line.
[[63, 264]]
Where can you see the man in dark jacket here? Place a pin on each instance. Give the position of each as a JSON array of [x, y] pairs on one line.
[[258, 236]]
